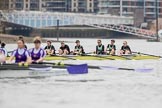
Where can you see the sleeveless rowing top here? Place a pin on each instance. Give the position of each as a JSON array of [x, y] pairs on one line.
[[36, 56], [110, 47], [20, 57], [77, 48], [100, 49]]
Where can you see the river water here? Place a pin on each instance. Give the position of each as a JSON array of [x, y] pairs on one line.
[[98, 89]]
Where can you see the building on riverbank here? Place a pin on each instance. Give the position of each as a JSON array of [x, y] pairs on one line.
[[114, 7], [81, 6], [4, 4], [128, 8]]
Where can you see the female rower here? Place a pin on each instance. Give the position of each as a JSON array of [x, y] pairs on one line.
[[111, 48], [100, 48], [37, 53], [125, 49], [21, 54], [21, 38], [78, 48], [64, 49]]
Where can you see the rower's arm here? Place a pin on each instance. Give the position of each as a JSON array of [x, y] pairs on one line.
[[107, 48], [96, 50], [129, 49], [103, 49], [10, 59], [42, 56], [52, 50], [29, 60], [40, 60]]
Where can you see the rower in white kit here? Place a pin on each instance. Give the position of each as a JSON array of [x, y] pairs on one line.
[[3, 53], [37, 53], [21, 54]]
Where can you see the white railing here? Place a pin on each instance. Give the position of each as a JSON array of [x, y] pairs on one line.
[[45, 19]]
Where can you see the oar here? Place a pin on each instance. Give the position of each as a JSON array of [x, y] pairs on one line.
[[72, 69], [122, 56], [78, 69], [99, 56], [107, 57], [129, 69], [87, 53], [72, 58], [104, 67], [10, 51], [61, 64], [147, 54], [66, 56]]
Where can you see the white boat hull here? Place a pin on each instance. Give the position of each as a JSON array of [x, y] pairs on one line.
[[31, 73]]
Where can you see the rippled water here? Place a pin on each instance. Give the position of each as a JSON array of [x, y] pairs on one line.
[[98, 89]]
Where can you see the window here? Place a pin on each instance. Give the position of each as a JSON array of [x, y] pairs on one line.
[[26, 5], [74, 4], [11, 5], [90, 10], [90, 4]]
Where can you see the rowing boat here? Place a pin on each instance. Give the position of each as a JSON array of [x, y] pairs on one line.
[[134, 56], [102, 57]]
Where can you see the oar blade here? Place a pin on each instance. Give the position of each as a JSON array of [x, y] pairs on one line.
[[78, 69], [144, 70]]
